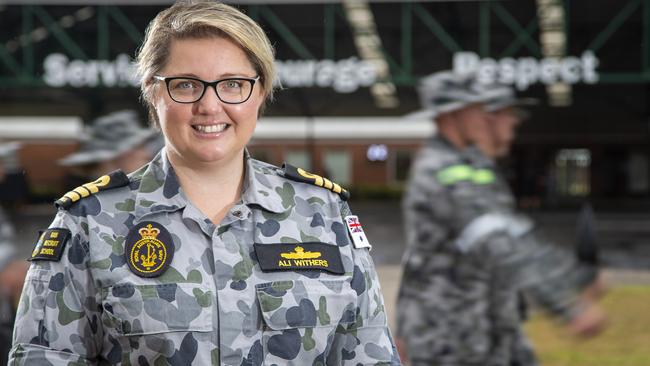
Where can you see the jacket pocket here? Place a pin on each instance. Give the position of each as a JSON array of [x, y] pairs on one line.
[[300, 318], [136, 310]]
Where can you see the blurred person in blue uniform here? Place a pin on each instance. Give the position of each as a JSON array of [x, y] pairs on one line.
[[111, 142], [469, 253]]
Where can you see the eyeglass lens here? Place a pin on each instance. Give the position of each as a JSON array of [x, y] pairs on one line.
[[190, 90]]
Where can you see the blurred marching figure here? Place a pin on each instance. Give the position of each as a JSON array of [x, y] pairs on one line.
[[114, 141], [541, 279], [469, 252], [13, 185], [12, 269]]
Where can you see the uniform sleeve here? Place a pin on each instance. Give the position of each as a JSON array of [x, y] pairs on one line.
[[374, 343], [550, 274], [58, 320]]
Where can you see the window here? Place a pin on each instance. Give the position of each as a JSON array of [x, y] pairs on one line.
[[572, 172], [637, 171], [337, 166], [403, 159], [299, 158]]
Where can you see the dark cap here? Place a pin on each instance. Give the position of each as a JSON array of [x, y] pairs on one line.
[[446, 91]]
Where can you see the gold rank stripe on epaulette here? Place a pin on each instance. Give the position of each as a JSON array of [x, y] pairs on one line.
[[301, 175], [112, 180]]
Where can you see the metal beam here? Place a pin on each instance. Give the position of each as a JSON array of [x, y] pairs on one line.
[[396, 71], [624, 77], [407, 38], [614, 25], [26, 42], [484, 29], [9, 61], [20, 66], [435, 28], [103, 36], [253, 11], [286, 33], [329, 32], [518, 42], [169, 2], [567, 26], [516, 28], [131, 30], [646, 37], [63, 37], [29, 81]]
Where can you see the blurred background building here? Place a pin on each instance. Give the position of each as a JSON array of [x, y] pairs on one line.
[[348, 70]]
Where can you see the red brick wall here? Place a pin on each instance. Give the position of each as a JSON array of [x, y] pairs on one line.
[[39, 162], [364, 172]]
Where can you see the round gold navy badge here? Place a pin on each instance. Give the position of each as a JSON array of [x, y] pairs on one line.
[[149, 249]]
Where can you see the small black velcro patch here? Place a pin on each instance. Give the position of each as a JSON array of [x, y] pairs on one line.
[[50, 245], [298, 257]]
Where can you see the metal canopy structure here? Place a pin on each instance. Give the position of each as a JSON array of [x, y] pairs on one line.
[[167, 2], [414, 38], [91, 42], [407, 29]]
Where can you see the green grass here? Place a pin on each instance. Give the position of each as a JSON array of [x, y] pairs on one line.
[[625, 342]]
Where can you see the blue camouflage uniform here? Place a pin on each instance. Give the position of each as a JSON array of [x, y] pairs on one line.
[[277, 282], [468, 255]]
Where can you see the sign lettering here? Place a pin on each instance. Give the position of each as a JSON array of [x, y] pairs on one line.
[[526, 71]]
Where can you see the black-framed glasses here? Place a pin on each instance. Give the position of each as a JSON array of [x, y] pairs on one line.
[[184, 89]]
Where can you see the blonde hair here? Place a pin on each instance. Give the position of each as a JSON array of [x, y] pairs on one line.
[[202, 19]]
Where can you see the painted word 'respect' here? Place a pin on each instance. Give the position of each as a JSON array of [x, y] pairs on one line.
[[525, 71]]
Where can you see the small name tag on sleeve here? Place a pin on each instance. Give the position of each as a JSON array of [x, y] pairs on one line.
[[356, 232], [50, 245]]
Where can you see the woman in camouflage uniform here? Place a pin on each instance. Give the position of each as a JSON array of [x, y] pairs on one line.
[[204, 256]]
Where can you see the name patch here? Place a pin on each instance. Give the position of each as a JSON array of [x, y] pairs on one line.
[[302, 256], [50, 245]]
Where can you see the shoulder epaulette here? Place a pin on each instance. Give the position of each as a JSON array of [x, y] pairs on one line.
[[299, 175], [109, 181]]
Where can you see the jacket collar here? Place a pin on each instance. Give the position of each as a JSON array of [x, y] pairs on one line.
[[260, 183], [160, 191]]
